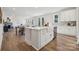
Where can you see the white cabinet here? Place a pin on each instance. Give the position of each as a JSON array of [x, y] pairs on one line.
[[28, 36], [67, 30], [38, 37], [68, 15], [44, 38], [35, 38], [41, 37]]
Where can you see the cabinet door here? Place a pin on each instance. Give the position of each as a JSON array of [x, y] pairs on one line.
[[35, 37], [64, 16], [46, 36], [28, 36], [73, 15], [68, 15], [72, 31], [43, 35]]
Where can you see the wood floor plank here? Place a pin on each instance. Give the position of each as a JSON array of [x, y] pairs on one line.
[[12, 42]]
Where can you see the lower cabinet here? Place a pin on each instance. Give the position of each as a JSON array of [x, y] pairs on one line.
[[67, 30], [38, 38], [28, 36], [35, 38]]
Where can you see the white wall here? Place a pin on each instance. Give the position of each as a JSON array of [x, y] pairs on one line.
[[15, 19], [19, 20]]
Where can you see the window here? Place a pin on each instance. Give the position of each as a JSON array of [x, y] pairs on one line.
[[39, 22], [56, 18], [43, 21]]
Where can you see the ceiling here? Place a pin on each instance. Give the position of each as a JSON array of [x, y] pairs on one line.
[[29, 11]]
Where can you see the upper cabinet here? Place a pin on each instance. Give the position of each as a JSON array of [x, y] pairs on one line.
[[68, 15]]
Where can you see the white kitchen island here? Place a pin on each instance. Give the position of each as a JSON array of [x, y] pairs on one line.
[[38, 37]]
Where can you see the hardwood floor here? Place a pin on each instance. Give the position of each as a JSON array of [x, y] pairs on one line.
[[11, 42], [66, 43], [62, 43]]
